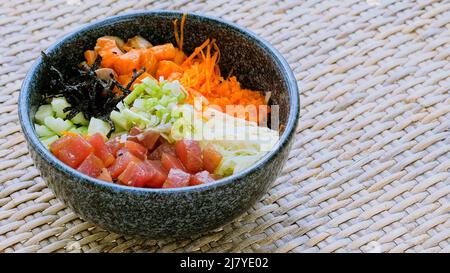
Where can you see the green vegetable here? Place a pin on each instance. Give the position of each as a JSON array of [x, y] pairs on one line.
[[174, 89], [151, 86], [43, 112], [149, 106], [117, 134], [43, 131], [58, 105], [135, 118], [82, 130], [120, 120], [48, 140], [80, 119], [98, 126], [75, 130], [138, 90], [58, 125]]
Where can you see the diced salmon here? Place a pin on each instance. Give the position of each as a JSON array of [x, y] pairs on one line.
[[164, 52], [159, 174], [190, 154], [113, 146], [148, 60], [199, 178], [124, 157], [100, 149], [91, 166], [108, 49], [105, 176], [169, 161], [211, 158], [135, 174], [125, 63], [166, 68], [71, 149], [136, 149], [176, 179], [165, 147]]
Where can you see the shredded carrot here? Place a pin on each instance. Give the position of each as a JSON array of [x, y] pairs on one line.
[[196, 52], [68, 133], [179, 38], [201, 76]]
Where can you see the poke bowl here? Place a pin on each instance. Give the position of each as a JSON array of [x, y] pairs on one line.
[[91, 134]]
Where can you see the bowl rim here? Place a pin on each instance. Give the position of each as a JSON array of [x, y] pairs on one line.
[[33, 140]]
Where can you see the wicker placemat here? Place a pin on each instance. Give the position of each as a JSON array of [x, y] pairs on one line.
[[369, 170]]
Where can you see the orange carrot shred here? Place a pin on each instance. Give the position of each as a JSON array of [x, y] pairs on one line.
[[179, 37], [68, 133], [196, 52], [201, 77]]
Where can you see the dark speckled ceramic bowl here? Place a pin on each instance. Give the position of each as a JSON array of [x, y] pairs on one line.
[[164, 213]]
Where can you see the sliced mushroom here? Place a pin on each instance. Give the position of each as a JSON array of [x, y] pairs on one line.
[[105, 73], [120, 43], [138, 42]]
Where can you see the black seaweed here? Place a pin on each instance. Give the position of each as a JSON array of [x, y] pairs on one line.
[[84, 91]]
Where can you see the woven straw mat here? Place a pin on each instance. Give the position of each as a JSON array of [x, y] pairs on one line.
[[369, 169]]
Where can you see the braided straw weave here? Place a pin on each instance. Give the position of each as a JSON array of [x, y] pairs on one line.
[[369, 170]]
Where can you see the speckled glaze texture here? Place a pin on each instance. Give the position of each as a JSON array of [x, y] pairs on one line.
[[168, 213]]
